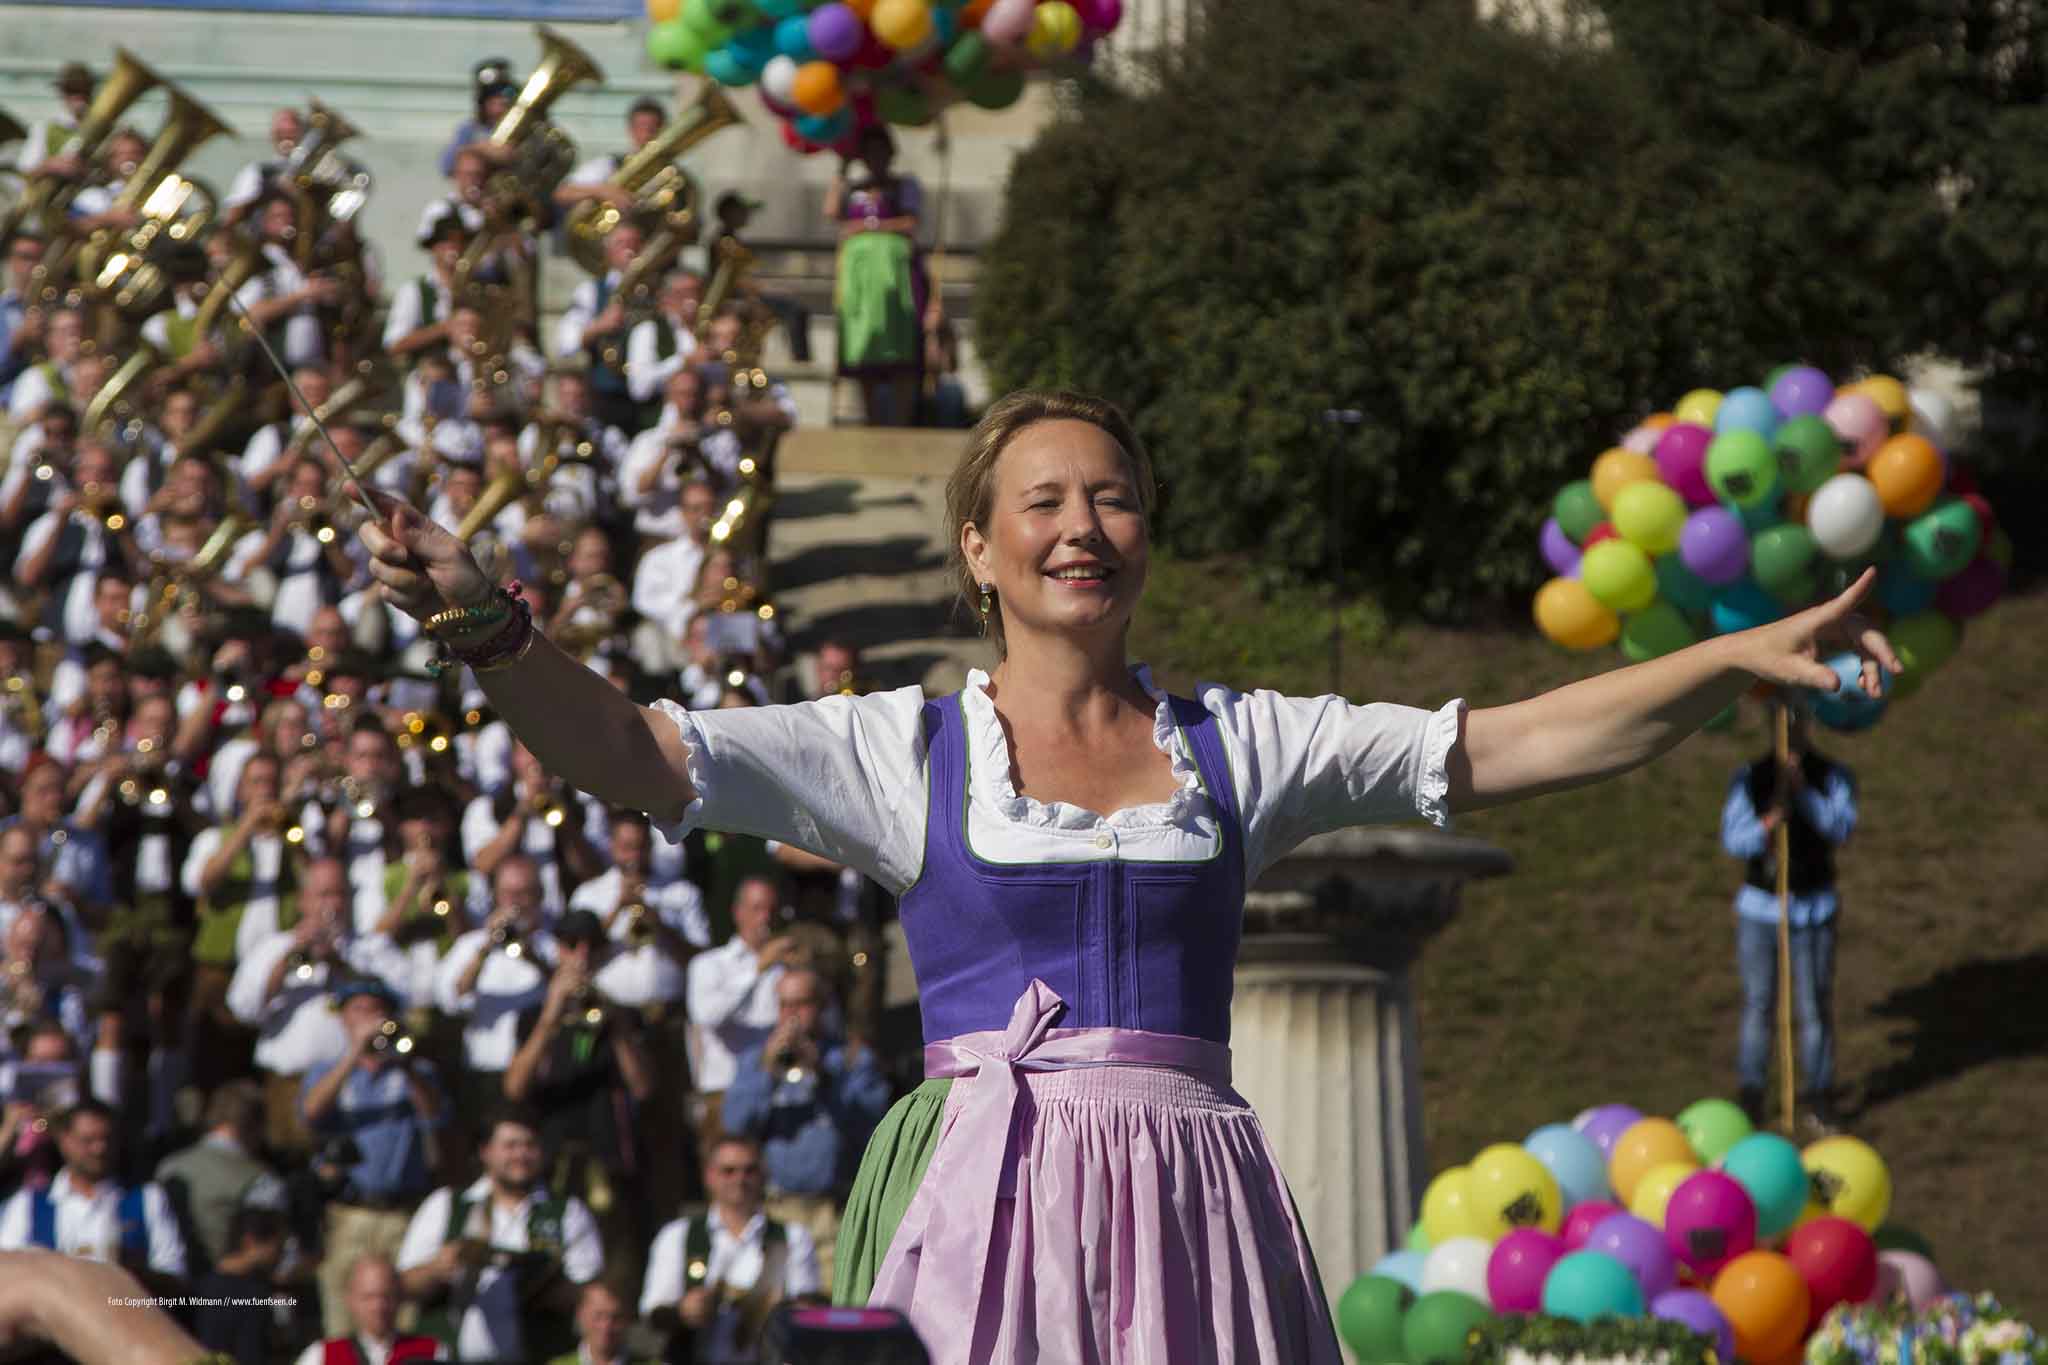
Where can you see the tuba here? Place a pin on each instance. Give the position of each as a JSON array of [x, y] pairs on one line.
[[520, 194], [46, 200], [325, 190], [110, 406], [362, 386], [663, 190], [174, 210]]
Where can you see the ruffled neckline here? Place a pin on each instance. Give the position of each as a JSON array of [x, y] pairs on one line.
[[990, 768]]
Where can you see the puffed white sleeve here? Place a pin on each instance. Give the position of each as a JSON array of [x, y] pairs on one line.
[[842, 777], [663, 1286], [1302, 766], [245, 998], [166, 1242], [582, 1248], [423, 1234]]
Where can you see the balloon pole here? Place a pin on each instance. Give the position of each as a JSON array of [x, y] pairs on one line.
[[1787, 1088]]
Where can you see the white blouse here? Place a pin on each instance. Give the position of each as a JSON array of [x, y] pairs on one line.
[[844, 777]]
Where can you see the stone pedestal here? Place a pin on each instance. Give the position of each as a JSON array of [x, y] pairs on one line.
[[1323, 1035]]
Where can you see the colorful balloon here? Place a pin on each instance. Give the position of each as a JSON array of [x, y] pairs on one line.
[[1558, 550], [1569, 615], [1436, 1328], [1808, 452], [1697, 1311], [1860, 424], [1605, 1123], [1512, 1189], [1941, 541], [1100, 16], [1572, 1160], [995, 88], [1654, 1190], [1769, 1168], [662, 11], [1889, 395], [793, 39], [1781, 557], [1681, 587], [1972, 591], [1619, 576], [1055, 30], [674, 44], [1649, 514], [1845, 515], [1457, 1264], [1743, 606], [1837, 1260], [1402, 1266], [1682, 461], [1714, 546], [816, 89], [1741, 468], [1655, 631], [1746, 409], [1709, 1221], [1918, 1280], [1934, 417], [1848, 1179], [1007, 22], [1801, 390], [1515, 1272], [1849, 707], [1712, 1126], [730, 68], [1447, 1207], [1908, 474], [1617, 468], [1698, 407], [835, 31], [1640, 1246], [1577, 509], [902, 24], [1585, 1285], [1583, 1218], [1369, 1316], [1765, 1302]]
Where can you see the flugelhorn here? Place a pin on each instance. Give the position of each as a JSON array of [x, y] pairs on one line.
[[174, 209]]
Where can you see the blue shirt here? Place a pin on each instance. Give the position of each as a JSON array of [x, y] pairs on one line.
[[810, 1125], [466, 132], [1832, 812], [375, 1108]]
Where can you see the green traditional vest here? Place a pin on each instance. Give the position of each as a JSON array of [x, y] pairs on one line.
[[54, 376], [697, 1247], [220, 915], [420, 925], [664, 337], [54, 138], [429, 302], [545, 1334]]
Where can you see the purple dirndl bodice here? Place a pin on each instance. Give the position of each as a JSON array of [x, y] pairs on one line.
[[1130, 945]]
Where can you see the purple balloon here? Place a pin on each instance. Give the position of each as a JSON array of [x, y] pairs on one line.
[[1580, 1222], [835, 32], [1606, 1123], [1802, 390], [1558, 551], [1697, 1311], [1682, 460], [1714, 546], [1641, 1247]]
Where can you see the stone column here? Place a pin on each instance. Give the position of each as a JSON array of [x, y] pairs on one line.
[[1323, 1034]]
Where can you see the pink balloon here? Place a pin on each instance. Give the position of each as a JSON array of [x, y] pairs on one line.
[[1861, 423], [1008, 21], [1099, 16], [1885, 1285], [1710, 1221], [1516, 1270], [1682, 460], [1642, 439], [1917, 1277], [1580, 1222]]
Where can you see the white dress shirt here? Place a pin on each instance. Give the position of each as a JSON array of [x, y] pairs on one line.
[[580, 313], [89, 1225], [298, 1027], [480, 825], [407, 317], [732, 1008], [663, 583], [80, 621], [266, 858], [305, 341], [490, 1328], [646, 371], [645, 974], [734, 1262], [506, 988]]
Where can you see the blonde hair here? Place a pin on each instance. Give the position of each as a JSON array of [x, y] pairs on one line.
[[971, 490]]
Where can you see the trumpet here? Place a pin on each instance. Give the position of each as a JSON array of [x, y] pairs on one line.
[[392, 1041], [428, 730], [639, 922], [551, 809], [586, 1008], [145, 781], [319, 523], [506, 938], [103, 502], [20, 703], [302, 964]]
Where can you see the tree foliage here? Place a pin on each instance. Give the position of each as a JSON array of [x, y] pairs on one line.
[[1503, 249]]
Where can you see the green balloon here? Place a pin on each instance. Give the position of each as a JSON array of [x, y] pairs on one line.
[[1418, 1240], [1369, 1317], [1651, 514], [1435, 1330], [1577, 510], [713, 20], [995, 89], [966, 57], [1801, 591], [897, 104], [1898, 1237], [1741, 468], [1924, 641], [1619, 576], [1808, 453], [1681, 587], [1781, 556], [1658, 629], [1941, 541], [1713, 1126], [675, 45]]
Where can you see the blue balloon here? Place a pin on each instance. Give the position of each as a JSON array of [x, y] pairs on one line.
[[1681, 587], [945, 25], [725, 68], [1747, 409], [1572, 1160], [1404, 1266], [1769, 512], [1903, 592], [1769, 1168], [755, 46], [793, 39], [825, 129], [783, 9], [1848, 707], [1590, 1284], [1743, 605]]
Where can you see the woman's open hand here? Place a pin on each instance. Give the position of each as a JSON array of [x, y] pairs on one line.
[[422, 568], [1790, 652]]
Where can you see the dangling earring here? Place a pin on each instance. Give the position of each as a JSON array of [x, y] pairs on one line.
[[988, 597]]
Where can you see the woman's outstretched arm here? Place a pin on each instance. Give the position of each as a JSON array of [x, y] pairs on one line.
[[1604, 726], [581, 728]]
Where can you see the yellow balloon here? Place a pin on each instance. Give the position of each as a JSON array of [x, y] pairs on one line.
[[1568, 615], [1512, 1189], [1698, 407], [1890, 395], [1447, 1207], [1848, 1179], [1055, 30], [1645, 1145], [1618, 468], [901, 24], [1649, 514], [1654, 1190]]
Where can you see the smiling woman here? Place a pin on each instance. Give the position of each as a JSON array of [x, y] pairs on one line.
[[1070, 847]]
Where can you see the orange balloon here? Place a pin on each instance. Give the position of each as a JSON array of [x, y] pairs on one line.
[[1795, 507], [816, 89], [863, 8], [1569, 615], [661, 11], [1646, 1144], [1616, 469], [1657, 421], [974, 11], [1908, 473], [1765, 1301]]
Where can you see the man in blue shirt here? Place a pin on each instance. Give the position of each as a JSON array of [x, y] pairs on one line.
[[385, 1099], [811, 1102], [18, 342], [1814, 798]]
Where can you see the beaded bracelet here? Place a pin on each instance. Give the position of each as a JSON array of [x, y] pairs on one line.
[[494, 609], [502, 648]]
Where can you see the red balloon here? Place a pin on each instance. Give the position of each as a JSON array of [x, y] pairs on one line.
[[1604, 531], [1960, 479], [797, 142], [1837, 1260], [874, 54]]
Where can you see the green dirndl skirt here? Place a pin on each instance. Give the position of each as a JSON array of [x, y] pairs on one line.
[[877, 302], [890, 1172]]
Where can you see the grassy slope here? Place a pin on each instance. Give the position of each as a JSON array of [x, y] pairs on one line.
[[1603, 968]]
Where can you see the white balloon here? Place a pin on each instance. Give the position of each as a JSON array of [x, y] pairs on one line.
[[778, 77], [1934, 417], [1845, 516], [1458, 1263]]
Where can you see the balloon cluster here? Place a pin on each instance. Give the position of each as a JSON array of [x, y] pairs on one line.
[[1737, 508], [831, 70], [1700, 1220]]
